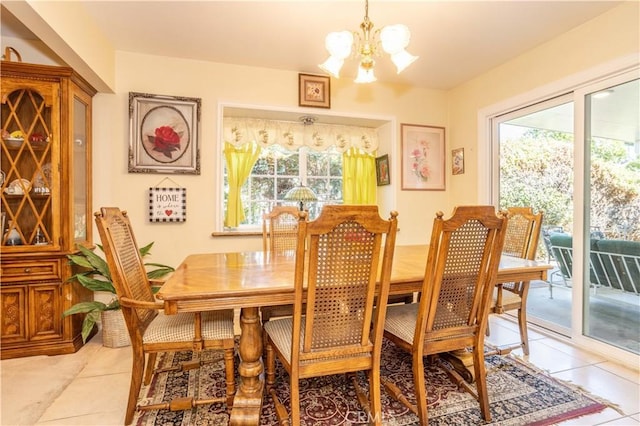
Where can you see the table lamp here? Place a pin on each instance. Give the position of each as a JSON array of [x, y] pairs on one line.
[[302, 194]]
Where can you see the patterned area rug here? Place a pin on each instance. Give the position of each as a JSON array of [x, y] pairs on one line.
[[518, 393]]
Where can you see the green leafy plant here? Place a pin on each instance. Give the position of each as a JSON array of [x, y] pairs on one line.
[[96, 276]]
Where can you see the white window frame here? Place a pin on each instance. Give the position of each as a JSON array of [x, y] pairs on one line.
[[387, 130]]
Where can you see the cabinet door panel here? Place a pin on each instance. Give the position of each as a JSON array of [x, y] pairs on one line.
[[45, 313], [13, 314]]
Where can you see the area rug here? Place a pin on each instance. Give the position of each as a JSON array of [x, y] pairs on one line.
[[519, 394]]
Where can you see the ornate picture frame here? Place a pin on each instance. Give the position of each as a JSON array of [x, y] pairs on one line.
[[457, 161], [314, 91], [164, 134], [423, 157], [383, 174]]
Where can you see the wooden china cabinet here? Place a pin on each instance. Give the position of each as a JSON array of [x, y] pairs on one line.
[[46, 206]]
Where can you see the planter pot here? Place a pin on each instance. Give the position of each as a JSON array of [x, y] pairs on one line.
[[114, 329]]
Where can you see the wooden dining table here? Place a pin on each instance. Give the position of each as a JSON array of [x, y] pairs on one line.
[[249, 280]]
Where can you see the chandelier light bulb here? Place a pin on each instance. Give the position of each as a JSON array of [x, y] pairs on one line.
[[365, 75], [338, 45], [394, 38], [332, 66]]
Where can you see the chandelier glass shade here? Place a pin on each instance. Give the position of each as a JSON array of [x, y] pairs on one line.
[[367, 43]]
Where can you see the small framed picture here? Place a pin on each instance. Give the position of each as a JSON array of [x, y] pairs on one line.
[[167, 204], [423, 157], [382, 170], [457, 161], [314, 91], [164, 132]]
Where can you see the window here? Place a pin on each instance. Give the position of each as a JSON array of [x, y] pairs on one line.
[[278, 169]]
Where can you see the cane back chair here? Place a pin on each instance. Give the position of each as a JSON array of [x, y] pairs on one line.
[[462, 265], [150, 330], [521, 240], [336, 326], [279, 236]]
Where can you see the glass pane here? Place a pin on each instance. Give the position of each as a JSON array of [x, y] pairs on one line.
[[27, 181], [265, 164], [317, 164], [262, 188], [289, 165], [536, 170], [284, 185], [80, 164], [612, 307], [335, 165]]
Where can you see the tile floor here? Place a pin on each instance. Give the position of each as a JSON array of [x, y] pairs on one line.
[[90, 386]]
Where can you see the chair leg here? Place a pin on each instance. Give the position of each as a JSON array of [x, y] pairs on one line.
[[151, 365], [295, 398], [481, 381], [136, 382], [420, 388], [524, 334], [270, 366], [229, 367], [375, 402]]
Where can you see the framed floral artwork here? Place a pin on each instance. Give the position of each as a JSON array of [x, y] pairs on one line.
[[314, 91], [423, 157], [382, 170], [163, 134], [457, 161]]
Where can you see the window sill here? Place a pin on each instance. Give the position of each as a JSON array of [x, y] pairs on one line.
[[237, 234]]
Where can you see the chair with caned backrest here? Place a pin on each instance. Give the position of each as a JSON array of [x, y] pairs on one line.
[[462, 265], [336, 326], [279, 236], [521, 240], [150, 330]]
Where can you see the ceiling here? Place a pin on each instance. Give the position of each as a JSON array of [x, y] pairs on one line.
[[455, 40]]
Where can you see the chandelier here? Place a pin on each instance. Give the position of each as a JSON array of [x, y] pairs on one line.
[[393, 39]]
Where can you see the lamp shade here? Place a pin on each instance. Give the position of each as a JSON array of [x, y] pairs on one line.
[[365, 75], [301, 194], [402, 59]]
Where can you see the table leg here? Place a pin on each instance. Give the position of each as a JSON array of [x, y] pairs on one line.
[[247, 404]]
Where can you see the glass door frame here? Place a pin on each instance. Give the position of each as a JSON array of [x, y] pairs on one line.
[[579, 85]]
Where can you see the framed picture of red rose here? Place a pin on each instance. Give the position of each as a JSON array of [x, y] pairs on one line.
[[423, 157], [163, 134]]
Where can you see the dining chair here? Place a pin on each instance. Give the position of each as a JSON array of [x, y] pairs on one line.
[[279, 237], [343, 262], [521, 240], [152, 331], [462, 265]]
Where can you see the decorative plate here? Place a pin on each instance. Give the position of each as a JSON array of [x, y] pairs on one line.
[[19, 186]]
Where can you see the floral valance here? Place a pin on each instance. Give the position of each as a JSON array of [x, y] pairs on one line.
[[292, 135]]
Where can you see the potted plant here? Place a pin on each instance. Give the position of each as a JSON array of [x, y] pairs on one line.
[[96, 276]]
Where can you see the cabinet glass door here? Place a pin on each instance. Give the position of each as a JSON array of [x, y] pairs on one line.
[[80, 210], [28, 152]]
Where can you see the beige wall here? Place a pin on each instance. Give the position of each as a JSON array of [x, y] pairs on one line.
[[610, 36], [216, 83]]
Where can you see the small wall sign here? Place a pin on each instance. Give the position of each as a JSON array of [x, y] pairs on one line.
[[167, 204]]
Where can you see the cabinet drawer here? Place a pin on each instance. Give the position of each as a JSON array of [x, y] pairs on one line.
[[30, 270]]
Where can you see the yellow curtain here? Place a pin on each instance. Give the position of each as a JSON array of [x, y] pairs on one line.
[[358, 177], [240, 161]]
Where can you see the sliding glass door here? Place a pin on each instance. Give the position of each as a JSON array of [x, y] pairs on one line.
[[611, 299], [535, 147], [577, 157]]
